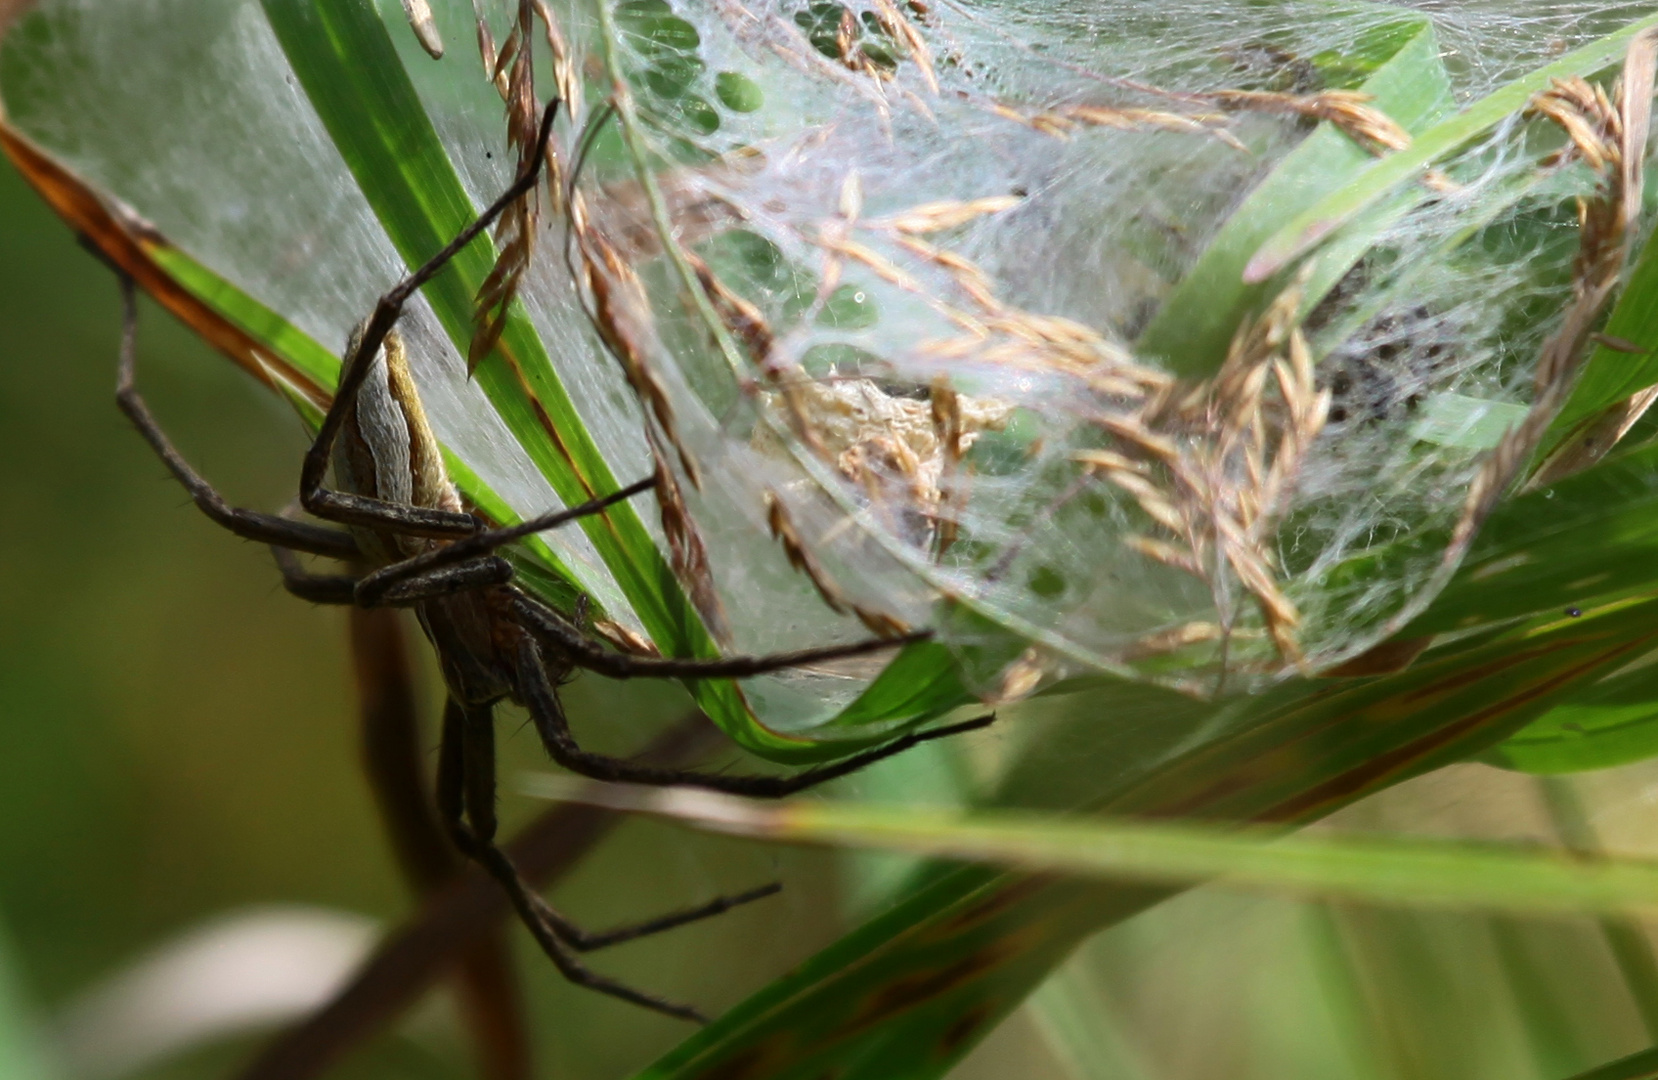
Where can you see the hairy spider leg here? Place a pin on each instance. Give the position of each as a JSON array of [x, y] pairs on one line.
[[461, 566], [248, 524], [406, 581], [466, 800], [537, 693], [570, 643], [364, 510], [345, 589], [463, 769]]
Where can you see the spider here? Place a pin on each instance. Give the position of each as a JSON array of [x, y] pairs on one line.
[[410, 542]]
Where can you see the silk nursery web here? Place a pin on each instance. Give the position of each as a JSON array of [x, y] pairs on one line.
[[979, 267], [965, 315]]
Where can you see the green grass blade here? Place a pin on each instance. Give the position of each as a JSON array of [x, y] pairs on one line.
[[1612, 375], [1614, 722], [1338, 210], [1586, 539], [344, 60], [1625, 938], [1638, 1066], [21, 1053], [1375, 870]]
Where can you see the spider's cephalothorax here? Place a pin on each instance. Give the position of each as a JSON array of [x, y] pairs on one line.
[[410, 542]]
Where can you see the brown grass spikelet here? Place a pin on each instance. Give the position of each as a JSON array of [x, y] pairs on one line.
[[419, 14], [967, 276], [511, 69], [687, 553], [1212, 464], [621, 316], [800, 557], [748, 326], [948, 427], [937, 216], [900, 29], [1349, 110], [566, 77], [625, 638], [1179, 637], [1061, 121]]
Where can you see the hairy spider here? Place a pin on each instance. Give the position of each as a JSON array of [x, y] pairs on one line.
[[410, 543]]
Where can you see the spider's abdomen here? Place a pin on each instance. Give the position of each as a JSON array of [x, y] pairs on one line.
[[466, 630]]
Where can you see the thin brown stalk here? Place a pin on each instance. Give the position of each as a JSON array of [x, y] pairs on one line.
[[414, 956], [800, 557], [490, 999]]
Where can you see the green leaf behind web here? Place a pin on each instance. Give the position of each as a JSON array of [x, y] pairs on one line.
[[1195, 325]]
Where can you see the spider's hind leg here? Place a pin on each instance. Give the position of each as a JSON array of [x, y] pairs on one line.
[[466, 801], [554, 729]]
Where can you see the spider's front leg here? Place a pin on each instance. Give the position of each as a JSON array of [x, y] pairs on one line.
[[466, 801], [366, 344], [429, 573]]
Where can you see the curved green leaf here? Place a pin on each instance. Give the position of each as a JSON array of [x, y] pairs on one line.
[[908, 993], [1611, 723]]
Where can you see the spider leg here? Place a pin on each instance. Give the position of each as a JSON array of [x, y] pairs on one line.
[[248, 524], [554, 729], [466, 800], [569, 640], [396, 579], [343, 589], [317, 588], [361, 509]]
